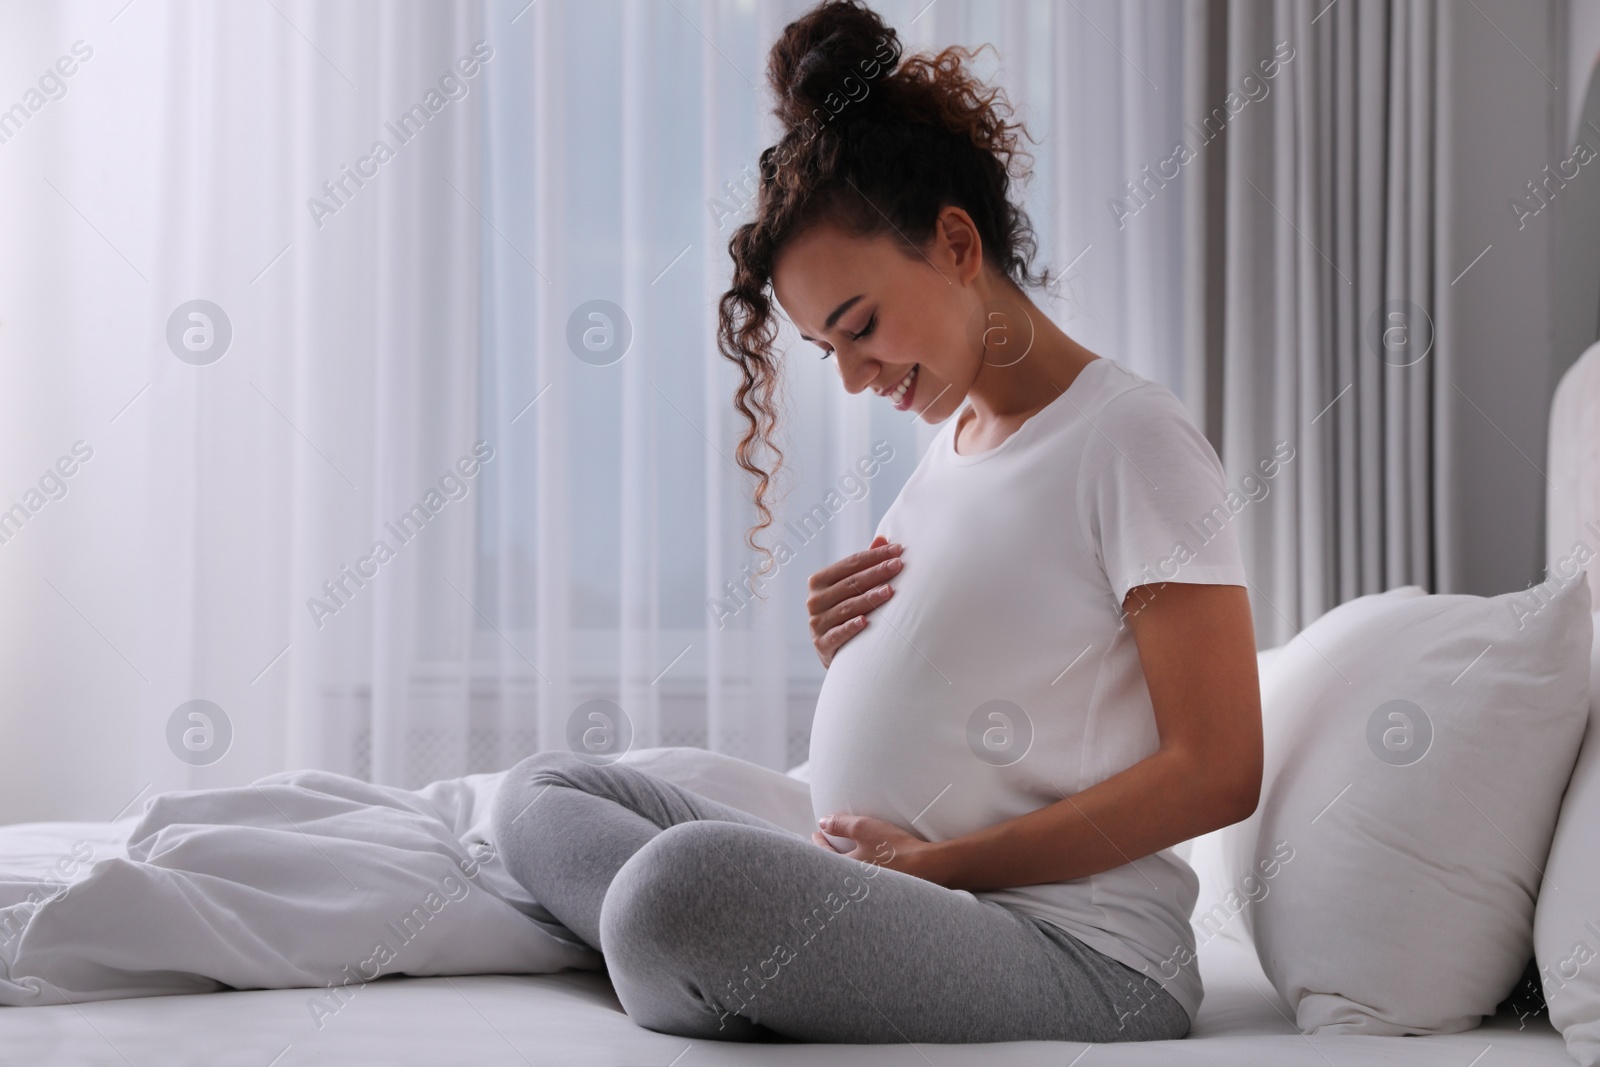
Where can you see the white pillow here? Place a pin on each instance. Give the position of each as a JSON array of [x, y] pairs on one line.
[[1566, 923], [1222, 898], [1416, 751]]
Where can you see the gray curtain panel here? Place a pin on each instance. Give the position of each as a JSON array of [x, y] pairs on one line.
[[1383, 228], [1325, 388]]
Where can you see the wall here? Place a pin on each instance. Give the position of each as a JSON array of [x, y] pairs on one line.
[[1502, 106], [1575, 267], [1581, 51]]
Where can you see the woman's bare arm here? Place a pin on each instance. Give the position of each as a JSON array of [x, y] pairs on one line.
[[1197, 647]]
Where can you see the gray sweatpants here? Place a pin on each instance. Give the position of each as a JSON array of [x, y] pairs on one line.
[[716, 923]]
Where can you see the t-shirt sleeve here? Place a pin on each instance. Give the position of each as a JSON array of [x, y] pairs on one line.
[[1152, 496]]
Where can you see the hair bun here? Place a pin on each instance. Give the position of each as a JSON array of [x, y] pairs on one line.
[[825, 61]]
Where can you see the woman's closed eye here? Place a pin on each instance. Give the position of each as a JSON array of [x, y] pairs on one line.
[[872, 324]]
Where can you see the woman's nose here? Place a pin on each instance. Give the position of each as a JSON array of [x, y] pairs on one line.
[[857, 374]]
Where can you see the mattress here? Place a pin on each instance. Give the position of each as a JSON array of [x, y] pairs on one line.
[[574, 1018]]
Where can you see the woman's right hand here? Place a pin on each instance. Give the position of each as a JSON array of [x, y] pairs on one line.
[[842, 593]]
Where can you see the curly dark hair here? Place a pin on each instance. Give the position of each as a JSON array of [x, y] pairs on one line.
[[876, 142]]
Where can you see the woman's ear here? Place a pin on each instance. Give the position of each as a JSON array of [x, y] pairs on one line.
[[958, 234]]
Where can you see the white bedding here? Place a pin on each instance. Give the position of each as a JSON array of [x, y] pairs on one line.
[[301, 879], [570, 1017]]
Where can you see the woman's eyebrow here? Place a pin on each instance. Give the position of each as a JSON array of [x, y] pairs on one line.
[[840, 310]]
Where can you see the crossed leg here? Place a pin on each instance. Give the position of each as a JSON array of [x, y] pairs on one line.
[[716, 923]]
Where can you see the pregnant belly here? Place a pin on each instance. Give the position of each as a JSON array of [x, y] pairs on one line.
[[890, 733]]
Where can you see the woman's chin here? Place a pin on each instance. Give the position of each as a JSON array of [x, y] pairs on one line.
[[930, 399], [946, 405]]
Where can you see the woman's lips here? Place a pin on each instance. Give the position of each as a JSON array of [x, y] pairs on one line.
[[911, 390]]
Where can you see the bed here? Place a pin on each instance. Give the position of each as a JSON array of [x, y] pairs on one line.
[[573, 1017]]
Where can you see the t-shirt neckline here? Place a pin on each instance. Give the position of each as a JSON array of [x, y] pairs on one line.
[[1028, 424]]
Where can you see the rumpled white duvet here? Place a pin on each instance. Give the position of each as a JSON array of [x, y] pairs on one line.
[[302, 879]]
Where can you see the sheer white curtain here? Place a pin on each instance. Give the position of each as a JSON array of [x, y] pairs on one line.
[[414, 364], [244, 462]]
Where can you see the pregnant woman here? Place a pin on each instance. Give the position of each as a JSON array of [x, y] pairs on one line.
[[1058, 682]]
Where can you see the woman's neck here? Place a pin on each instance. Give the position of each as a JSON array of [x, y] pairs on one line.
[[1028, 361]]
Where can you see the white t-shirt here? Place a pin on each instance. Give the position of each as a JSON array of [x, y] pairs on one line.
[[1000, 677]]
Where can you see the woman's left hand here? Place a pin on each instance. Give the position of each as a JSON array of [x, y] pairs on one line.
[[879, 842]]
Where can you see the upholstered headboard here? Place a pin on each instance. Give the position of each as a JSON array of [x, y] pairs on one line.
[[1572, 508]]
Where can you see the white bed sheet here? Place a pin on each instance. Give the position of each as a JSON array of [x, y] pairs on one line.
[[573, 1018]]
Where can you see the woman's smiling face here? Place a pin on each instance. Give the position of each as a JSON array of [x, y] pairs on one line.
[[883, 311]]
